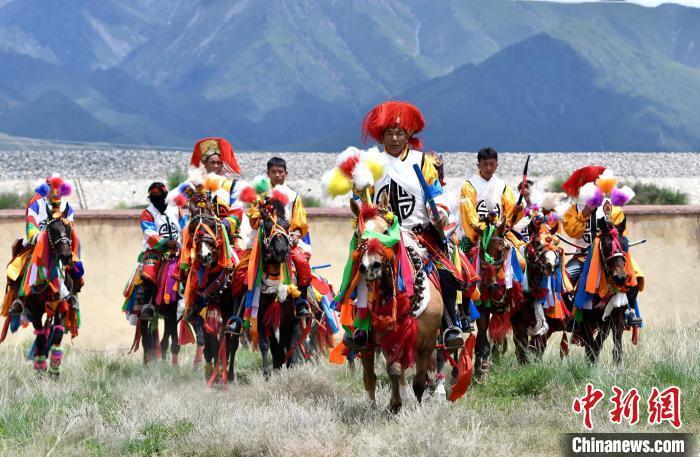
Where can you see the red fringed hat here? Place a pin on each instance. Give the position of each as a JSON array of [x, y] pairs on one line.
[[393, 114], [580, 177], [210, 146]]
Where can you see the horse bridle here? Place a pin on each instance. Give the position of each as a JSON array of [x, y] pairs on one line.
[[207, 235], [617, 250], [63, 239], [276, 230]]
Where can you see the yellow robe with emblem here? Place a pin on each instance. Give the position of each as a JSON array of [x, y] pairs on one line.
[[575, 226], [470, 217]]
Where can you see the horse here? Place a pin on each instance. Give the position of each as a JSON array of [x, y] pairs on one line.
[[205, 250], [616, 292], [403, 338], [493, 256], [55, 254], [277, 329], [533, 324], [162, 297]]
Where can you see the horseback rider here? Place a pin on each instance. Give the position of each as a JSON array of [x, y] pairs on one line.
[[580, 223], [49, 198], [300, 248], [47, 284], [484, 199], [394, 124], [474, 197], [216, 156]]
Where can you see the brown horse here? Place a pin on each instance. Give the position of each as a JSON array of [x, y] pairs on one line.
[[611, 311], [376, 269], [532, 325], [502, 301]]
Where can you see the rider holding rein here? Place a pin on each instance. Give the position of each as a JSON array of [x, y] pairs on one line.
[[394, 124], [295, 213]]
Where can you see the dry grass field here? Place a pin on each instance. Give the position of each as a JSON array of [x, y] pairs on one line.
[[107, 403]]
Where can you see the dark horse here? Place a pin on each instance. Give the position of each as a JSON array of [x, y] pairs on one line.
[[612, 309], [277, 323], [57, 297]]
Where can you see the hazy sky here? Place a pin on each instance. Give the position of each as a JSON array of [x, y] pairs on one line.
[[695, 3]]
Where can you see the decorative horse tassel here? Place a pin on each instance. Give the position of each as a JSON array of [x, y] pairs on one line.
[[273, 318], [465, 369], [635, 334], [499, 326]]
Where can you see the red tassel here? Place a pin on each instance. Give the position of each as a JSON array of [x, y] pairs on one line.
[[499, 325], [273, 317], [137, 340], [5, 327], [220, 365], [248, 195], [349, 164], [580, 177], [280, 197], [185, 334], [465, 369], [635, 335]]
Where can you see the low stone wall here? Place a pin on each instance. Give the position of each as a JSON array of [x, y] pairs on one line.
[[111, 241]]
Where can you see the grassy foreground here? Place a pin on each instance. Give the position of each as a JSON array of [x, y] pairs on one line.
[[109, 404]]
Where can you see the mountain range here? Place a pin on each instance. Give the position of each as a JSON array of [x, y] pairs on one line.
[[300, 74]]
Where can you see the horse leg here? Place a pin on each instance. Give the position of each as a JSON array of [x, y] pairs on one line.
[[264, 346], [41, 348], [146, 341], [519, 324], [55, 345], [369, 377], [618, 328], [420, 381], [394, 372], [171, 324], [233, 343], [600, 338], [200, 341], [482, 350]]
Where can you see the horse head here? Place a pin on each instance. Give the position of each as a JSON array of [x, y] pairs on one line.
[[543, 252], [612, 249], [206, 231], [60, 235], [492, 254], [373, 255], [275, 232]]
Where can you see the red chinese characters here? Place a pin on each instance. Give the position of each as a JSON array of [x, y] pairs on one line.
[[624, 406], [665, 406], [585, 404]]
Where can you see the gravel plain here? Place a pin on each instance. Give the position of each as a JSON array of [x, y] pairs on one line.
[[114, 178]]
